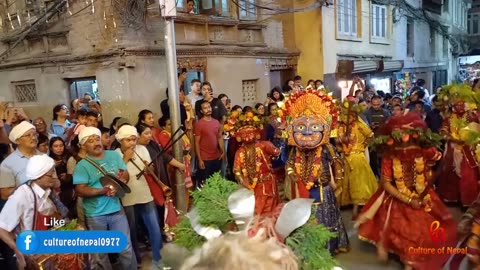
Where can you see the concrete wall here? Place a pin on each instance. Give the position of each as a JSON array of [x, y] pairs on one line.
[[123, 92], [423, 59], [361, 45], [308, 39], [223, 73]]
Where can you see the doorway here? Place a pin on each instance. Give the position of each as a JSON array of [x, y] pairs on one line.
[[191, 75], [78, 87]]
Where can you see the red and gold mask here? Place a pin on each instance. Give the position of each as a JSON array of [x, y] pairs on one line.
[[247, 134]]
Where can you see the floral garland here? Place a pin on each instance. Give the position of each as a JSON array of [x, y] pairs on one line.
[[419, 182], [397, 138], [313, 167], [247, 171], [458, 92], [456, 124]]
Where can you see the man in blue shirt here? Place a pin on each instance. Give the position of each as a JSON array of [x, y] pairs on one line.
[[13, 172], [102, 209]]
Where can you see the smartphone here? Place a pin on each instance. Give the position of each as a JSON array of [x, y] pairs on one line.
[[184, 70], [268, 95]]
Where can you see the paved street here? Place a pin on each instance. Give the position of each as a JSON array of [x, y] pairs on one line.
[[362, 256]]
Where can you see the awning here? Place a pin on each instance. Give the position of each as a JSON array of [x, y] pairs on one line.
[[356, 66], [349, 68], [392, 66]]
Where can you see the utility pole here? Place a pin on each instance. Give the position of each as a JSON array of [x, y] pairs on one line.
[[169, 12]]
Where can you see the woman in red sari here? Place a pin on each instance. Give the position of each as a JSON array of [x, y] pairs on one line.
[[405, 214]]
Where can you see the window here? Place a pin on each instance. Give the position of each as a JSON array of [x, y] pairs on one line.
[[410, 37], [247, 9], [249, 90], [214, 7], [25, 91], [180, 4], [433, 45], [347, 17], [379, 21], [473, 24]]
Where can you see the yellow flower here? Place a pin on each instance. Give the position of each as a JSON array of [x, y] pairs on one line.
[[235, 113], [249, 114], [280, 113], [471, 106], [256, 119], [477, 152]]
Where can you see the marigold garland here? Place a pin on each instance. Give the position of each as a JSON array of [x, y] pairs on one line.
[[310, 175], [246, 172], [424, 139], [419, 183]]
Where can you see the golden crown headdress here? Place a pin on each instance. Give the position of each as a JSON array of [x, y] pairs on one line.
[[311, 102]]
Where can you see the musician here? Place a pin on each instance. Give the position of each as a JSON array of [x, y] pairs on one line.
[[102, 209], [140, 201], [19, 212]]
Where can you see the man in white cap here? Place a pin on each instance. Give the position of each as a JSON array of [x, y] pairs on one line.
[[102, 209], [139, 203], [28, 200], [12, 169]]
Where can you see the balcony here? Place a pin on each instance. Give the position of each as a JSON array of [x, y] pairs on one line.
[[204, 30]]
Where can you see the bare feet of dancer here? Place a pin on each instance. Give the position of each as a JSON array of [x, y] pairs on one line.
[[382, 253], [355, 212]]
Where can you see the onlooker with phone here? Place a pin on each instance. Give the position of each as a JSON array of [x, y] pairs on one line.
[[15, 116], [218, 109], [61, 124], [275, 96]]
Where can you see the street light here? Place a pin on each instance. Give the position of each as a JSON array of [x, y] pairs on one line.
[[169, 12]]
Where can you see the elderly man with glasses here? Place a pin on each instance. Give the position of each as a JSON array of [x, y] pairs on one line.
[[13, 171]]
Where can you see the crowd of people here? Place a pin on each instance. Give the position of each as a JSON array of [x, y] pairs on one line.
[[298, 143]]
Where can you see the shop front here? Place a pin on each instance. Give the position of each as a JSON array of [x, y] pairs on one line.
[[378, 74]]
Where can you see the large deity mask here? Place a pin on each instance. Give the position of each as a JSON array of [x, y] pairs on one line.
[[311, 115]]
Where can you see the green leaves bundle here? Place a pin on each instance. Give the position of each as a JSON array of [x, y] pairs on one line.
[[309, 244], [211, 202], [185, 236]]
